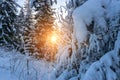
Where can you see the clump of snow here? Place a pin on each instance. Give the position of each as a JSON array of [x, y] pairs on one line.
[[113, 12], [108, 67], [83, 17]]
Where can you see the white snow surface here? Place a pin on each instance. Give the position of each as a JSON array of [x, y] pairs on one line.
[[5, 72], [6, 75]]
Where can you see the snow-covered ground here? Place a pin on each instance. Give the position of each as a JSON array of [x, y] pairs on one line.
[[15, 66], [5, 71], [6, 75]]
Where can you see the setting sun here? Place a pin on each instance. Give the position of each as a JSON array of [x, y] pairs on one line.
[[53, 39]]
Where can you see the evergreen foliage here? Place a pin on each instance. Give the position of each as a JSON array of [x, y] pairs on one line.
[[43, 29], [7, 19]]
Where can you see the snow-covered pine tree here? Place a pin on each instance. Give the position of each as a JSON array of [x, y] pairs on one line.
[[25, 26], [7, 18], [43, 28], [94, 34], [28, 29], [20, 25]]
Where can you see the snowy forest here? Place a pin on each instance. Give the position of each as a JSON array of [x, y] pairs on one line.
[[59, 39]]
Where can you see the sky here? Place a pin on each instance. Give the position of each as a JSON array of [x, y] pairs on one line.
[[59, 3]]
